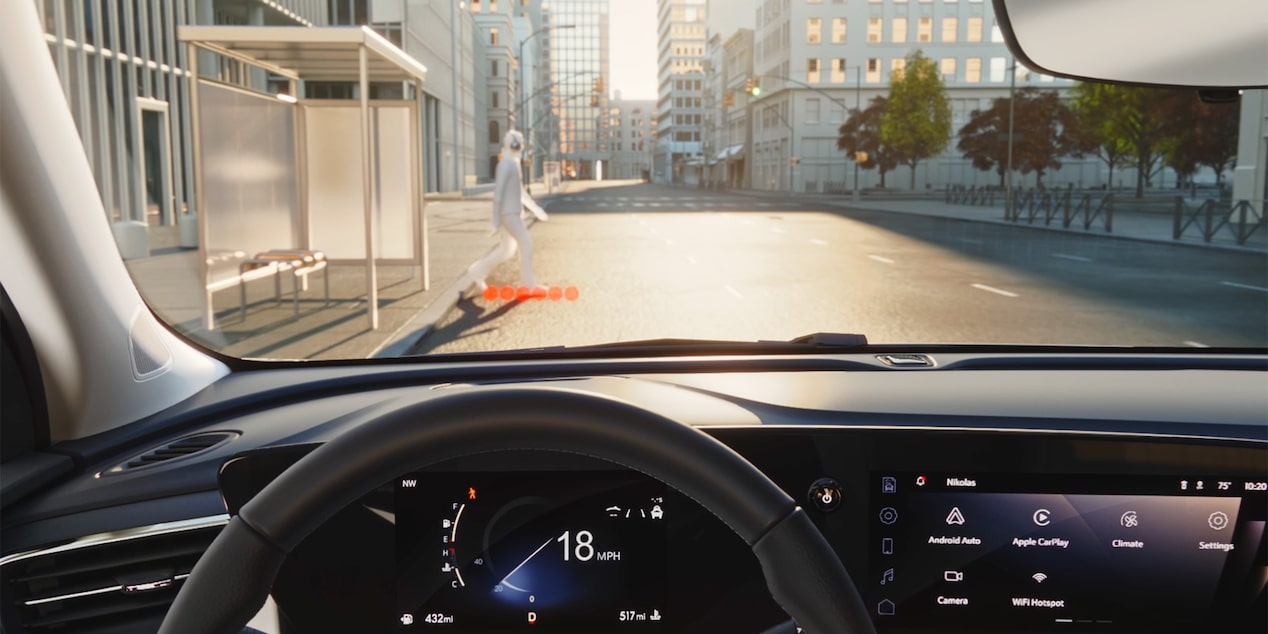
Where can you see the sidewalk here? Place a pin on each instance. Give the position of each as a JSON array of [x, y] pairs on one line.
[[1128, 223], [459, 233]]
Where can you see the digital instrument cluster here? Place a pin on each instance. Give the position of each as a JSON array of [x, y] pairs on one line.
[[547, 550]]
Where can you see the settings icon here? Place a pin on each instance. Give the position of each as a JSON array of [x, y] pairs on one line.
[[889, 515], [1218, 520]]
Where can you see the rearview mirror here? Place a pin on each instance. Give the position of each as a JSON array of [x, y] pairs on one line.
[[1191, 43]]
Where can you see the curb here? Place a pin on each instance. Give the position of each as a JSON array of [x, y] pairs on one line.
[[1115, 236], [862, 206], [406, 338]]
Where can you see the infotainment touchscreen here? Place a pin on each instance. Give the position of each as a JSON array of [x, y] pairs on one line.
[[1067, 553], [532, 551]]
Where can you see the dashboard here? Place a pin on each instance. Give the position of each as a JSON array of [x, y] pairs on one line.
[[1004, 506]]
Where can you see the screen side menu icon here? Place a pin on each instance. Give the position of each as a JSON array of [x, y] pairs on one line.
[[889, 515]]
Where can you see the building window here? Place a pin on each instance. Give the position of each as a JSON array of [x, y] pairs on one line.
[[493, 68], [814, 30], [896, 67], [873, 70], [838, 30], [973, 70], [949, 28], [838, 71], [975, 30], [812, 71], [812, 111], [495, 132], [496, 97], [924, 30], [875, 26], [948, 67], [997, 36], [997, 70], [899, 31], [493, 37]]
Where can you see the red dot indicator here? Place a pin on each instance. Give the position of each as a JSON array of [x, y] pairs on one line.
[[524, 293]]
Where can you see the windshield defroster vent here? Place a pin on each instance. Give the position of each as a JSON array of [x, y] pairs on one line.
[[117, 582], [180, 448], [906, 360]]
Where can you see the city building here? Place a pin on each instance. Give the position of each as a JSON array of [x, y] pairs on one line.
[[129, 95], [727, 75], [815, 61], [632, 137], [577, 126], [496, 49], [681, 42]]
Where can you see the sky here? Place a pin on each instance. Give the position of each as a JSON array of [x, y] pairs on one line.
[[632, 46]]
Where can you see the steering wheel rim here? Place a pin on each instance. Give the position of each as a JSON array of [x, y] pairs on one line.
[[234, 576]]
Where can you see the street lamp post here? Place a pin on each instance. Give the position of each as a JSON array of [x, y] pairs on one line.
[[528, 133]]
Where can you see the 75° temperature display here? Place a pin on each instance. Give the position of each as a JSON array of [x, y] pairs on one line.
[[550, 551]]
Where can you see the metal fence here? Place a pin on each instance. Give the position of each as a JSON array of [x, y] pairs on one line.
[[1238, 220], [1068, 207]]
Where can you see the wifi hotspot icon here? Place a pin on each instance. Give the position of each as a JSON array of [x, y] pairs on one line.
[[1039, 577]]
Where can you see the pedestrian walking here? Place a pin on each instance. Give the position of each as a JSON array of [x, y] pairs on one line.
[[510, 199]]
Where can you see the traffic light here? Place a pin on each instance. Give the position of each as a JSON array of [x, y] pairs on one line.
[[752, 87], [728, 99]]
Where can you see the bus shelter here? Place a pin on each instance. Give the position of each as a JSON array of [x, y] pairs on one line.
[[279, 178]]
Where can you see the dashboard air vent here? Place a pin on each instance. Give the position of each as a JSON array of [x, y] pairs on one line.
[[180, 448], [117, 582]]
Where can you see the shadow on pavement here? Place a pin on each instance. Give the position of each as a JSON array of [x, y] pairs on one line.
[[467, 319]]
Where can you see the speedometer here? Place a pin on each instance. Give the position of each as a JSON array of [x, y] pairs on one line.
[[546, 550]]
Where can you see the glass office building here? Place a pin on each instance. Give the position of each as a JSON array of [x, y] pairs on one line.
[[578, 131]]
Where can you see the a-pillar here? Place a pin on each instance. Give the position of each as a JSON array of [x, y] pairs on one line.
[[1249, 181]]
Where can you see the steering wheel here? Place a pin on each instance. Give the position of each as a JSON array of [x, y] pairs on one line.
[[232, 579]]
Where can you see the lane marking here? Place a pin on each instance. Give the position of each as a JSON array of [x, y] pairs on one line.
[[822, 243], [1075, 258], [731, 289], [969, 240], [1196, 344], [691, 260], [882, 259], [777, 230], [992, 289], [1245, 286], [669, 242]]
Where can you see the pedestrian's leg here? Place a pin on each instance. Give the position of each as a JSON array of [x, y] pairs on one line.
[[499, 254], [515, 225]]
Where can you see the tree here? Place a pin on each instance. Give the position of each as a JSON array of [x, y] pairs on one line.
[[1209, 138], [1040, 137], [917, 120], [862, 133], [1130, 121]]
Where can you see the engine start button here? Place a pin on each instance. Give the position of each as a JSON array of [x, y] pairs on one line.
[[825, 494]]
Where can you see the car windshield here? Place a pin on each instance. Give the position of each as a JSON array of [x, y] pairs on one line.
[[337, 179]]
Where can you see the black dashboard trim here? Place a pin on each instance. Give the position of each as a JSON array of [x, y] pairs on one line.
[[247, 391]]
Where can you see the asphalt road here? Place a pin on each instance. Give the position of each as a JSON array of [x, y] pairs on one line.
[[651, 262]]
